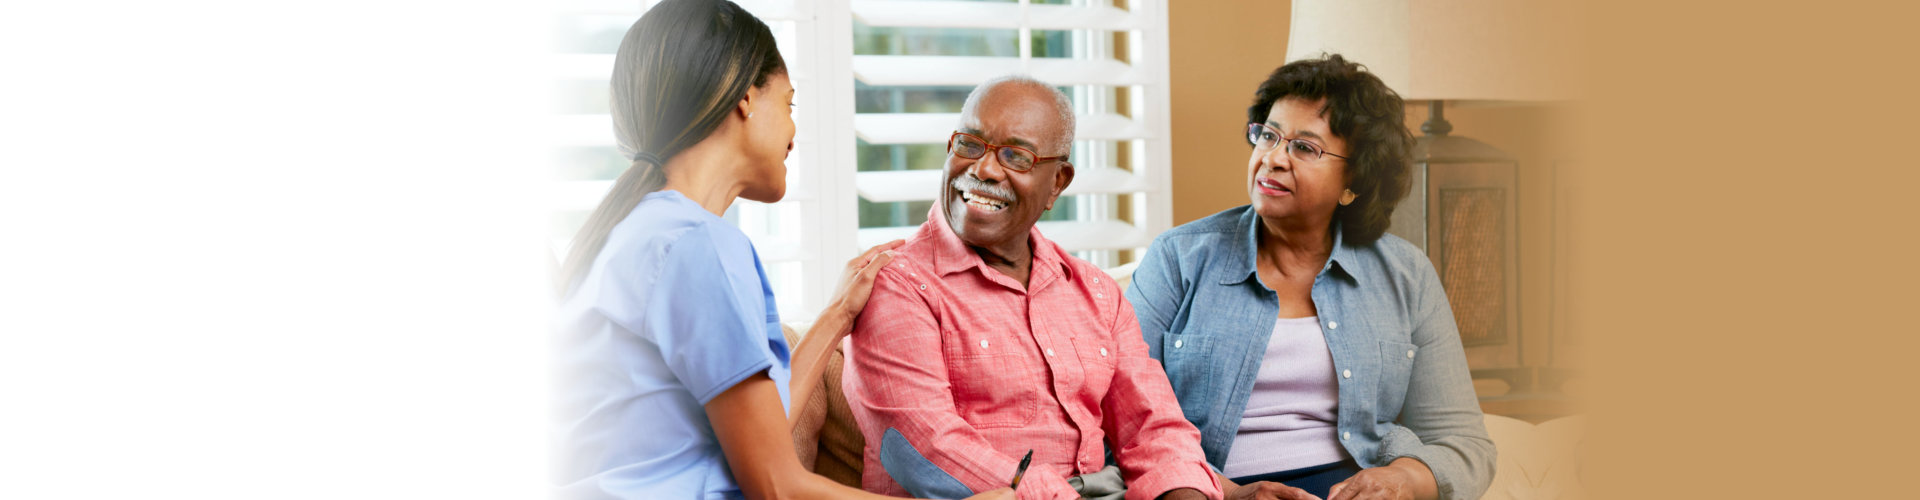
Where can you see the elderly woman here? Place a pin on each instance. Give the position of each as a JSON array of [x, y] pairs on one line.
[[1316, 354]]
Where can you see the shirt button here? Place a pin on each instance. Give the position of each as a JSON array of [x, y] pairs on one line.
[[1103, 352], [1345, 436], [983, 344], [1049, 351], [1177, 342], [1409, 353], [1100, 295], [923, 286], [1096, 280], [1333, 325], [1343, 373]]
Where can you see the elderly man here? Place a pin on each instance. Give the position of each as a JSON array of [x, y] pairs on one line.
[[983, 340]]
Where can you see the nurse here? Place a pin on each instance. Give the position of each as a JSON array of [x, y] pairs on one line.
[[674, 378]]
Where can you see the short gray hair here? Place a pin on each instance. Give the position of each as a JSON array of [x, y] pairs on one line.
[[1061, 104]]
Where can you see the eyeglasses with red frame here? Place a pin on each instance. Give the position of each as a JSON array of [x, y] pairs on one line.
[[972, 147]]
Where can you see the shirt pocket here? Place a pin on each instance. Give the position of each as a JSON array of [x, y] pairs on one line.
[[994, 389], [1190, 367], [1396, 375], [1097, 364]]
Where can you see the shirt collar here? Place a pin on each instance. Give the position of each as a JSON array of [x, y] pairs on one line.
[[951, 255], [1245, 268]]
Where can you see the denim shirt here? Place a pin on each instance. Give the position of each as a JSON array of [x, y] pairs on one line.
[[1404, 387]]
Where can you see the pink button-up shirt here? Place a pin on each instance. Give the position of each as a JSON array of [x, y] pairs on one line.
[[974, 370]]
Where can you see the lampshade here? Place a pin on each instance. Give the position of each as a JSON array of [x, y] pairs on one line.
[[1494, 50]]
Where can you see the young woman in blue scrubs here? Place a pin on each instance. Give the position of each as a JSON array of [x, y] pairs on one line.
[[673, 374]]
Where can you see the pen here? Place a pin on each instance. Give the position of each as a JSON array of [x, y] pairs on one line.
[[1022, 470]]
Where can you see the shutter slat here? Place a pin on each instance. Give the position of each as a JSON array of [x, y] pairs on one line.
[[597, 130], [978, 15], [972, 70]]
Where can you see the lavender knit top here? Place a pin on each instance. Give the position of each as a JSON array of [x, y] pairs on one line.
[[1290, 418]]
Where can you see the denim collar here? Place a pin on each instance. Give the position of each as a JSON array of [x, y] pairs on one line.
[[1240, 270]]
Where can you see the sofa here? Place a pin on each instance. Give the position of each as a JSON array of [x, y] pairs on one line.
[[1535, 461]]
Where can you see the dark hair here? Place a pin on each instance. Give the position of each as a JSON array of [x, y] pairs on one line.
[[1370, 117], [680, 70]]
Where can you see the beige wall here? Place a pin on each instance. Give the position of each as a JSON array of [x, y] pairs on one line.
[[1219, 51]]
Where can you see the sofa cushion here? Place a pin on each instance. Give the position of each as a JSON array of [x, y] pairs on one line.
[[1536, 461], [841, 444]]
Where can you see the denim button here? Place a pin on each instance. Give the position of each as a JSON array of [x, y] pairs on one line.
[[1345, 435], [1409, 353], [1333, 324], [1346, 373], [1177, 343]]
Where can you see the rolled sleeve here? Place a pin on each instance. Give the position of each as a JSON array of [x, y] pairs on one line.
[[900, 383], [1441, 424], [1157, 449]]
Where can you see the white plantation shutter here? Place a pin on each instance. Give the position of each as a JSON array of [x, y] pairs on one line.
[[879, 87], [1110, 60]]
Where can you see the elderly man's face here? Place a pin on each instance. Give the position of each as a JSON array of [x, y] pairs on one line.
[[988, 204]]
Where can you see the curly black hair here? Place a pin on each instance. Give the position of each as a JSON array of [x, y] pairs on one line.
[[1370, 117]]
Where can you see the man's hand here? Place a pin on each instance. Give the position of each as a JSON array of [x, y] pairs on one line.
[[1266, 490], [1184, 494]]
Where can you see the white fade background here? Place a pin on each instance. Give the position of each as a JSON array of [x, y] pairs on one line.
[[272, 249]]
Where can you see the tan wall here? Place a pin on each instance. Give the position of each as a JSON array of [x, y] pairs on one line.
[[1219, 51]]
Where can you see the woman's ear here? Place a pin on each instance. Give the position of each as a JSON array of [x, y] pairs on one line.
[[745, 107]]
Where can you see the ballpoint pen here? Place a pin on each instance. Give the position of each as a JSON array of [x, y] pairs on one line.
[[1022, 470]]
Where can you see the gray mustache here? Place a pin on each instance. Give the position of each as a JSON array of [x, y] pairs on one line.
[[966, 183]]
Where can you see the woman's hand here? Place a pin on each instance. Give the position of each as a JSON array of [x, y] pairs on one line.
[[815, 349], [1397, 481], [999, 494], [857, 281], [1267, 490]]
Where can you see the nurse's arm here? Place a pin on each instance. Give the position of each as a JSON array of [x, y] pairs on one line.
[[816, 347]]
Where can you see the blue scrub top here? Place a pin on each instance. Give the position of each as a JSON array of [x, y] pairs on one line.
[[675, 310]]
